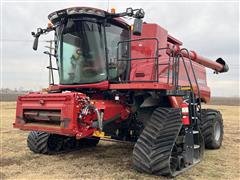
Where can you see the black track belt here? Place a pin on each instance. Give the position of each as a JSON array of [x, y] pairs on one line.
[[157, 150]]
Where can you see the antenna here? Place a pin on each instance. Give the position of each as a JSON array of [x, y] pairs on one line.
[[108, 7]]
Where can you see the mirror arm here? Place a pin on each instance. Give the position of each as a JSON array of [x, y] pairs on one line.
[[39, 32], [136, 13]]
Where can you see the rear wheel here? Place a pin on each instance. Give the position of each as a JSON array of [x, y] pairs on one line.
[[44, 143], [212, 128]]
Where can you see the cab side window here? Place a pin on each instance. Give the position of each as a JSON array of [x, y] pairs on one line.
[[116, 34]]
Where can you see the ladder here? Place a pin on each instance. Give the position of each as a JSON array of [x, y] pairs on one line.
[[194, 144]]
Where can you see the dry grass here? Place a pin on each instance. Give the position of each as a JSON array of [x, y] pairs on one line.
[[108, 160]]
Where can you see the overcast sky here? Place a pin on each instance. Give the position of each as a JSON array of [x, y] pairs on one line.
[[210, 29]]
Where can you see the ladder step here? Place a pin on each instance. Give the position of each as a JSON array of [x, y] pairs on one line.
[[196, 146], [48, 67], [194, 103], [49, 47], [195, 132]]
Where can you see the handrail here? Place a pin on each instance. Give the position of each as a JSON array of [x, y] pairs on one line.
[[130, 59]]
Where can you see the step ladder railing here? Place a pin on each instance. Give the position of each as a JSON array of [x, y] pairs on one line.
[[179, 57], [168, 63], [51, 53], [155, 58], [196, 82], [194, 143]]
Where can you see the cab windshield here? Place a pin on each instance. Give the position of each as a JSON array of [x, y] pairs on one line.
[[82, 52], [82, 59]]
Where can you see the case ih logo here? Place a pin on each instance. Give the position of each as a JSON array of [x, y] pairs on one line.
[[42, 102]]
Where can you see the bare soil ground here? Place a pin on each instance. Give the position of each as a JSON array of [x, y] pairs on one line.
[[230, 101], [108, 160]]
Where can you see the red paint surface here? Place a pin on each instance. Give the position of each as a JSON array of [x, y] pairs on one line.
[[70, 104], [146, 49]]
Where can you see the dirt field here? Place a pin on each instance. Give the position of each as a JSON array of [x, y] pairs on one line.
[[108, 160]]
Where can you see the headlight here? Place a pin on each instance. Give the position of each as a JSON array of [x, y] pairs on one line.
[[74, 11]]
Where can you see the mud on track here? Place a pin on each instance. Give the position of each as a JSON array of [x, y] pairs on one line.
[[108, 160]]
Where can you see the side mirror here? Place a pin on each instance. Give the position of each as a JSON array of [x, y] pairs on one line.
[[35, 43], [137, 27], [36, 35]]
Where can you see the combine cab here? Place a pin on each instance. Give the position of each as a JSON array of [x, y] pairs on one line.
[[126, 84]]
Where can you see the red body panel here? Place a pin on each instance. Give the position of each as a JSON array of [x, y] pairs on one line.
[[102, 86], [69, 106], [65, 108], [66, 103], [143, 70]]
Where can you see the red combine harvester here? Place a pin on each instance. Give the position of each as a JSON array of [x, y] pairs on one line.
[[125, 83]]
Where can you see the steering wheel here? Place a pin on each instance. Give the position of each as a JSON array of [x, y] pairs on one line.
[[91, 69]]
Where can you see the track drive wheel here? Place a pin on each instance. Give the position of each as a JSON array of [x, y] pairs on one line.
[[156, 151], [212, 128]]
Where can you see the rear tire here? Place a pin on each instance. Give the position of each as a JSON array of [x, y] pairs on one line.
[[212, 128], [44, 143]]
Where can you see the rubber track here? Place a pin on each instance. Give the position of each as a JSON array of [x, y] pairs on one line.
[[208, 118], [152, 151]]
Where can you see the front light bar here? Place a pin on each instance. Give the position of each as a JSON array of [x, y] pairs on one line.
[[75, 11]]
